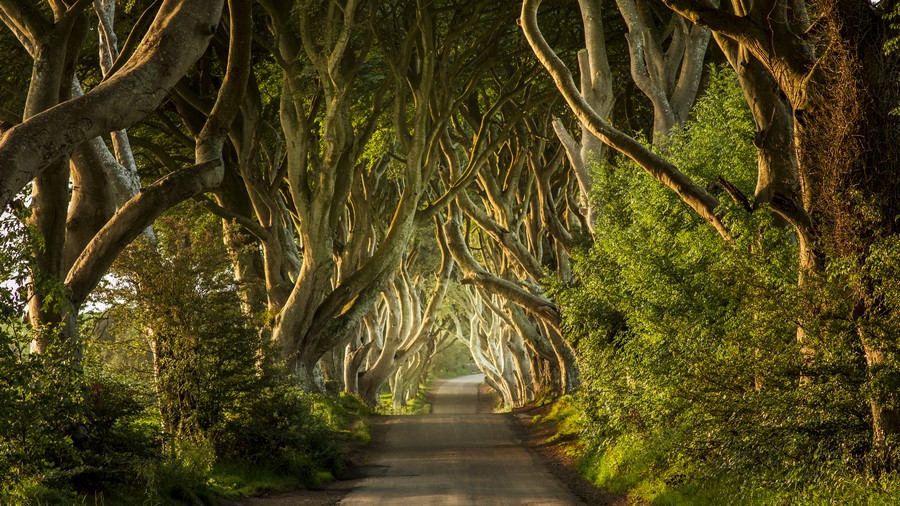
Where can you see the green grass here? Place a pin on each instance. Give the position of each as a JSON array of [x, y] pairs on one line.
[[835, 485], [624, 467], [565, 415], [418, 405], [639, 466], [633, 466], [347, 416], [237, 479]]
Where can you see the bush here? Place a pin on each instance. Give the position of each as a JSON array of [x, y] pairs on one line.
[[175, 390], [279, 427], [64, 432], [40, 418], [222, 400], [687, 344]]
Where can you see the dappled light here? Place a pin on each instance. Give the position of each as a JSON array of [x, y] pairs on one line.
[[233, 233]]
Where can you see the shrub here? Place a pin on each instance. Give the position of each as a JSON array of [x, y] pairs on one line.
[[280, 427], [687, 344]]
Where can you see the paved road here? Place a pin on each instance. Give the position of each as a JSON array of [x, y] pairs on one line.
[[456, 457]]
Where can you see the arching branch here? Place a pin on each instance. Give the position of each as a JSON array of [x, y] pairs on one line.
[[176, 39], [692, 194]]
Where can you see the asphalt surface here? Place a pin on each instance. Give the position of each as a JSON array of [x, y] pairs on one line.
[[456, 456]]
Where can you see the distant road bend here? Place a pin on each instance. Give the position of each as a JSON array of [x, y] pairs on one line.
[[456, 456]]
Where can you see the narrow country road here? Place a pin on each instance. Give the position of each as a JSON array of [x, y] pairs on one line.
[[456, 456]]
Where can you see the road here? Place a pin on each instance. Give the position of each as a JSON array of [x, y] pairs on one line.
[[456, 456]]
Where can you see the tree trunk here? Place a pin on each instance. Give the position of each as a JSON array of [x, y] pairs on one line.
[[846, 140], [174, 41]]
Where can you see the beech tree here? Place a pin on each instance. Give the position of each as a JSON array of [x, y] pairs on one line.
[[392, 176], [488, 340], [409, 326], [389, 76], [826, 143], [82, 231]]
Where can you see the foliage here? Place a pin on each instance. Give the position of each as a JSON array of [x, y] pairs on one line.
[[63, 429], [127, 423], [691, 368], [893, 16], [418, 405], [222, 395], [179, 296], [15, 254], [282, 428], [38, 399], [41, 417], [453, 359]]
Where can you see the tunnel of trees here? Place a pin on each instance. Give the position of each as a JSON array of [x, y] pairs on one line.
[[227, 223]]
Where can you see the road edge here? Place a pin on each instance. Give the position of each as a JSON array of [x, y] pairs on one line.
[[537, 438]]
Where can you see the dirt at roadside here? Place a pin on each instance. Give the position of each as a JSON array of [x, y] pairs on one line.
[[488, 400], [536, 437], [297, 498]]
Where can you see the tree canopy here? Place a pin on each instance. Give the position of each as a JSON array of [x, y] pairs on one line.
[[680, 215]]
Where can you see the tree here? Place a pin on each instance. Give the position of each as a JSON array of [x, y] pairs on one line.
[[76, 250], [838, 212], [409, 326]]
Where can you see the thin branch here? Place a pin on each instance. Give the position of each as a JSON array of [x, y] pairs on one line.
[[735, 193]]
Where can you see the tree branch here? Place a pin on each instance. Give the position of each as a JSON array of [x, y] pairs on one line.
[[25, 22], [785, 53], [693, 195], [134, 38], [136, 215], [476, 274], [177, 37], [234, 86], [249, 225], [736, 27]]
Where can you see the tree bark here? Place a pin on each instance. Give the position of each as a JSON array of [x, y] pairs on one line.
[[693, 195], [669, 77], [176, 39]]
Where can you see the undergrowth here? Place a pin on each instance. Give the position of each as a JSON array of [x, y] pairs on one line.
[[695, 388], [195, 473], [637, 465], [418, 405]]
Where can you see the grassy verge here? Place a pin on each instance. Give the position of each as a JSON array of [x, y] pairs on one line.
[[640, 466], [418, 405]]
